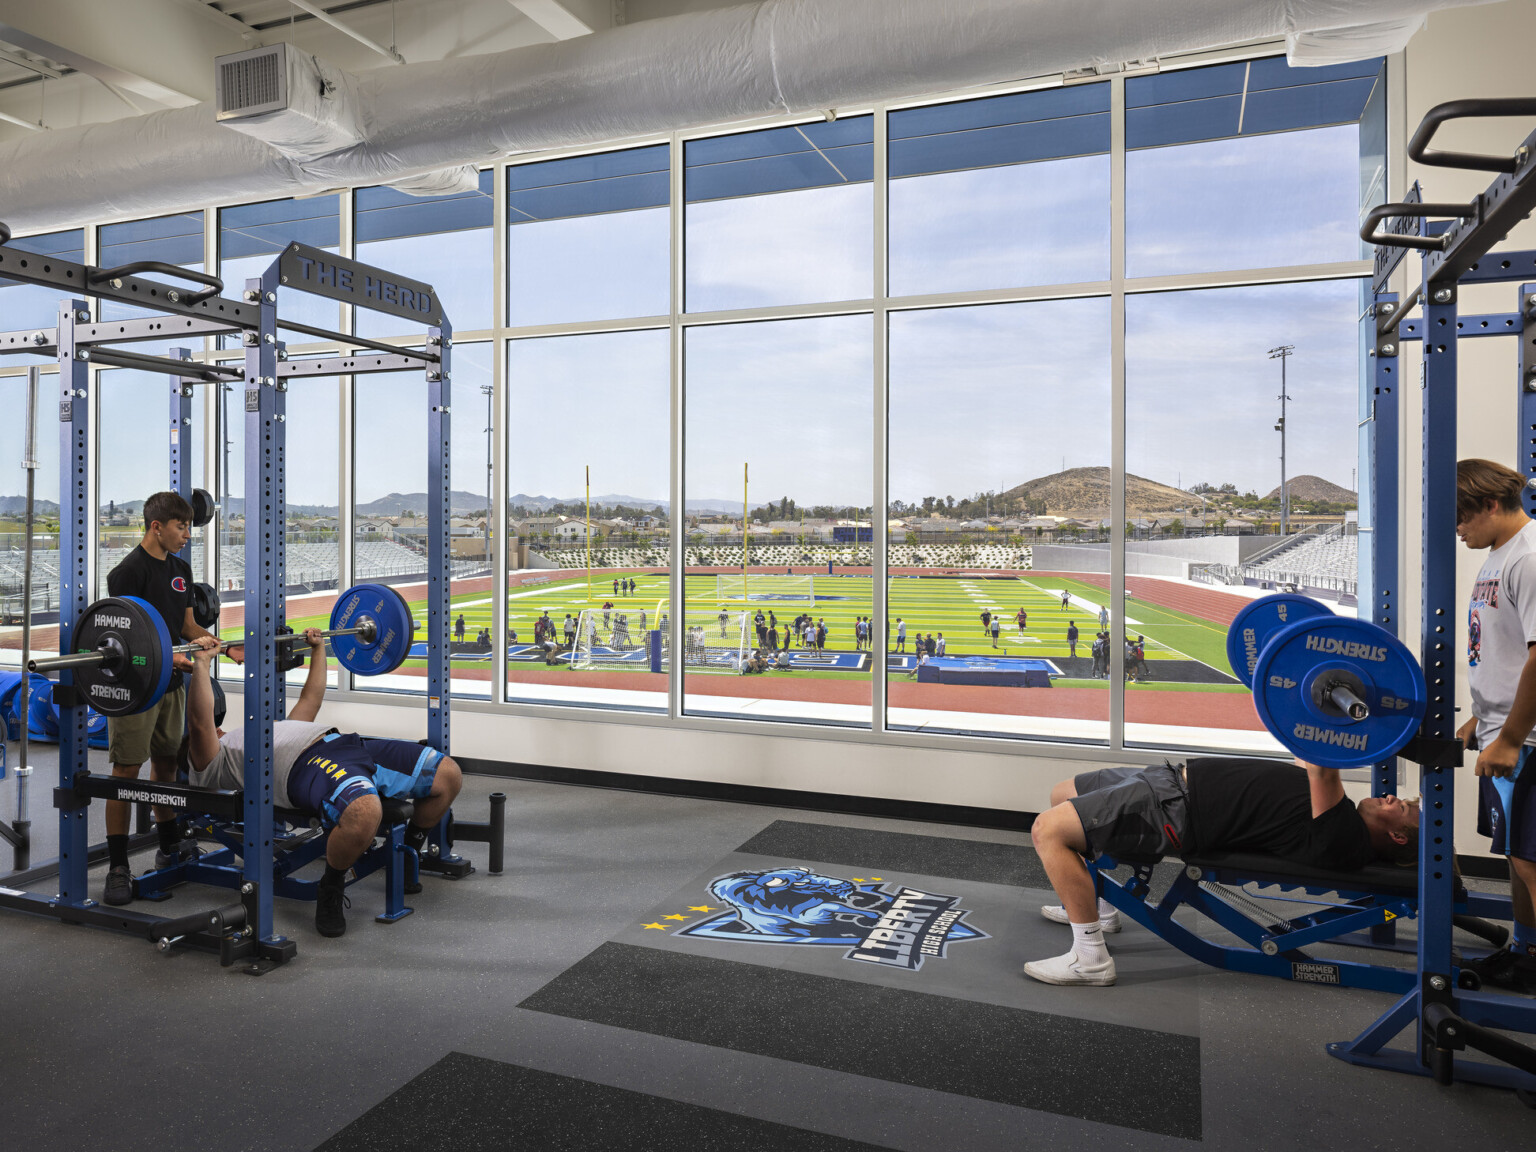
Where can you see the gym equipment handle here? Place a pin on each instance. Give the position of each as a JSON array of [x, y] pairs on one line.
[[1418, 147], [111, 653], [215, 285], [1382, 212]]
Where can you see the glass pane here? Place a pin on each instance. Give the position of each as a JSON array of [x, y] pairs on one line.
[[174, 239], [782, 216], [45, 523], [995, 193], [311, 524], [32, 305], [250, 238], [1204, 456], [588, 238], [999, 556], [1252, 165], [135, 410], [444, 241], [778, 481], [585, 407]]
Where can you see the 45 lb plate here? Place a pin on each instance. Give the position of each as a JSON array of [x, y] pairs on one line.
[[1339, 693], [394, 629], [1252, 628]]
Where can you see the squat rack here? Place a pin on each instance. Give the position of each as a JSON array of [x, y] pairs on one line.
[[239, 932], [1450, 1012]]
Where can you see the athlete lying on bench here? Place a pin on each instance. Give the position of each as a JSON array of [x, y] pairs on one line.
[[336, 776], [1207, 805]]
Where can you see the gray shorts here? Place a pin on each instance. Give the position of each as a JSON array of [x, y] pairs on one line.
[[1135, 813]]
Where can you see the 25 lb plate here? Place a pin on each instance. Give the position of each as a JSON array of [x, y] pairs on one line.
[[205, 605], [394, 629], [1303, 663], [140, 671], [1252, 628]]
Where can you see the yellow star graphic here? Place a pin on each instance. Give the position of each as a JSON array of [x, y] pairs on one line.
[[658, 927], [675, 916], [700, 908], [874, 878], [858, 879]]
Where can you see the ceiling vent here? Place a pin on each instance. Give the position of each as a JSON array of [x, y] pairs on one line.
[[250, 83]]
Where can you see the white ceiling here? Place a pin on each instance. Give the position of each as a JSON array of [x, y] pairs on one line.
[[65, 63]]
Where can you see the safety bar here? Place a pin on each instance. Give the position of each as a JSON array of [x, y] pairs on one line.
[[358, 341], [215, 285], [118, 358], [1381, 212], [1418, 147]]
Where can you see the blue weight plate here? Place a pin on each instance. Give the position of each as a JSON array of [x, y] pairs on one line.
[[394, 629], [1302, 659], [1252, 628], [139, 679]]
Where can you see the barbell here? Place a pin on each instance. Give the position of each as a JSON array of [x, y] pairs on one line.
[[123, 651], [1335, 691]]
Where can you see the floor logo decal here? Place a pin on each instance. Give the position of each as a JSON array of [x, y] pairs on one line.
[[879, 922]]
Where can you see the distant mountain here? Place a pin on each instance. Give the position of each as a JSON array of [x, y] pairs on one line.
[[544, 503], [1086, 491], [1308, 488], [17, 506], [459, 504]]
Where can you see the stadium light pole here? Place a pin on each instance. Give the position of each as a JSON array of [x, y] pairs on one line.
[[1282, 353], [488, 391]]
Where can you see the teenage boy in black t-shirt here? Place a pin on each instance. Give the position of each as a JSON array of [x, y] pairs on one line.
[[156, 574], [1210, 804]]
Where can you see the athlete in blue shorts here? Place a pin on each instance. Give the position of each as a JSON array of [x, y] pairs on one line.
[[338, 776]]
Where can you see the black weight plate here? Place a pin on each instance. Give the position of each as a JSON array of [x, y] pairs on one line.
[[1258, 621], [138, 678], [394, 629], [205, 605], [203, 507], [1375, 665], [219, 704]]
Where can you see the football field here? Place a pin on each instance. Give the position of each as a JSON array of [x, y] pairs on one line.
[[947, 605]]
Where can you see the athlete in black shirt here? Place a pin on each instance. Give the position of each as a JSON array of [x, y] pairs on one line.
[[154, 573], [1208, 805]]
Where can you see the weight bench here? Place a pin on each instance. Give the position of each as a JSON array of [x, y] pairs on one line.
[[298, 840], [1274, 941]]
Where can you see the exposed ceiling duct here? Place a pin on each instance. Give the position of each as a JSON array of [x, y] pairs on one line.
[[710, 67]]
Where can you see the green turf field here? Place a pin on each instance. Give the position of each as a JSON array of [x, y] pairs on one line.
[[951, 605]]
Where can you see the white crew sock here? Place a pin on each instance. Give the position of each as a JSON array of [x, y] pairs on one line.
[[1088, 944], [1106, 909]]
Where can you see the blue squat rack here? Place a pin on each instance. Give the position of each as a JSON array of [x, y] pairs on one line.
[[1446, 1010], [242, 932]]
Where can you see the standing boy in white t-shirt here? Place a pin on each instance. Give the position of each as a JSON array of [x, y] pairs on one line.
[[1501, 673]]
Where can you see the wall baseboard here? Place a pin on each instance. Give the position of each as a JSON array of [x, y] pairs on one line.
[[752, 794]]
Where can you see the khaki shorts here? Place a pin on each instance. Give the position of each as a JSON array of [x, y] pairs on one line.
[[156, 731]]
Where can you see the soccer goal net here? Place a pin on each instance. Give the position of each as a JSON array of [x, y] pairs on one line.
[[608, 635], [764, 586], [714, 639]]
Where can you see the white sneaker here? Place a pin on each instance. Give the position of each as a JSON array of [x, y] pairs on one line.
[[1068, 969], [1056, 912]]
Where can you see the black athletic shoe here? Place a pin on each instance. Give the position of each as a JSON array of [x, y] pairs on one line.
[[186, 850], [330, 919], [412, 889], [1506, 969], [119, 889]]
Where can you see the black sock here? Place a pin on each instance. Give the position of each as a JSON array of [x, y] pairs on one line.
[[170, 834], [415, 837], [117, 851], [334, 877]]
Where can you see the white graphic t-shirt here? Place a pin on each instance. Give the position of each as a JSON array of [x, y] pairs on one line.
[[1501, 622]]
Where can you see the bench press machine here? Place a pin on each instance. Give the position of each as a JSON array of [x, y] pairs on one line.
[[1440, 1005], [243, 932]]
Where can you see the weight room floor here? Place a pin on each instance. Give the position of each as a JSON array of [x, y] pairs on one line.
[[537, 1010]]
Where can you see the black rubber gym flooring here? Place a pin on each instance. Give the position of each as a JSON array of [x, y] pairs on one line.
[[602, 995]]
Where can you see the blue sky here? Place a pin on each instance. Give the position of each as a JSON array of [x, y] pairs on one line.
[[981, 397]]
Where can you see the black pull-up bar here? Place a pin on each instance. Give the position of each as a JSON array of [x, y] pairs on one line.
[[1382, 212], [1418, 147], [119, 358], [215, 285]]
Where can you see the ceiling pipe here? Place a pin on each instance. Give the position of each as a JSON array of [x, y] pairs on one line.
[[703, 68]]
